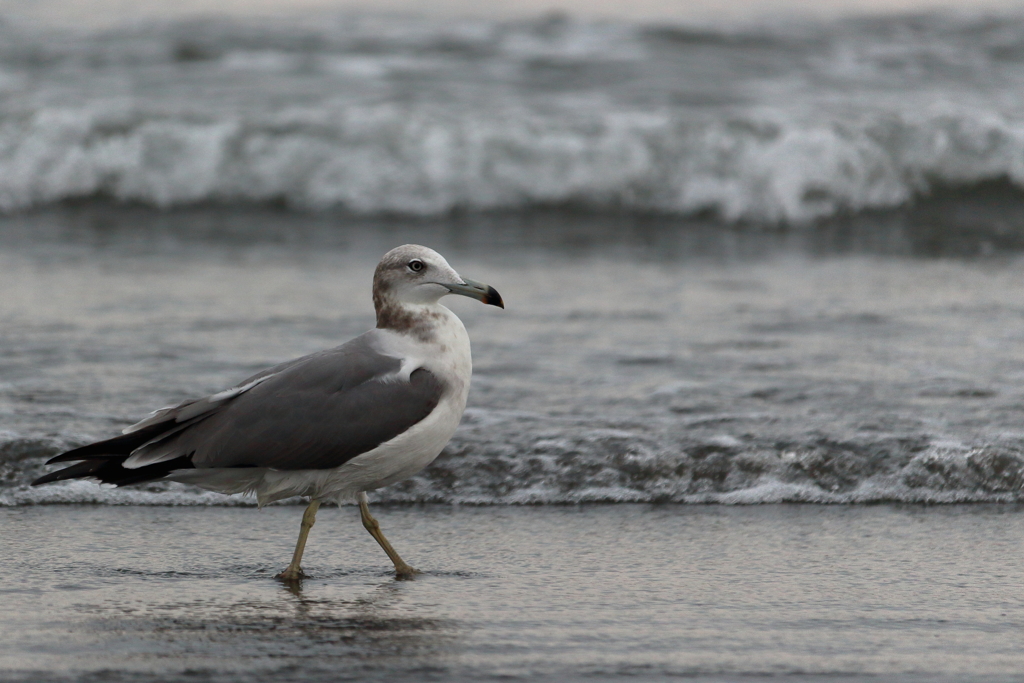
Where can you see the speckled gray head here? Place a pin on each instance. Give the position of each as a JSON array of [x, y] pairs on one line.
[[412, 275]]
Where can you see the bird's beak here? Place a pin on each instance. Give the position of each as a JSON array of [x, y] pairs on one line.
[[479, 291]]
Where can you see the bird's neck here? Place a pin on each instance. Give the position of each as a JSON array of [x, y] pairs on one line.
[[418, 320]]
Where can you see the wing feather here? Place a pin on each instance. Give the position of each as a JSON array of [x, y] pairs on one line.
[[314, 413]]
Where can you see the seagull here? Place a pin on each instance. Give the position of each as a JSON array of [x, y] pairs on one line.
[[328, 426]]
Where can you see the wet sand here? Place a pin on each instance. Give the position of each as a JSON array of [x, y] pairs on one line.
[[539, 593]]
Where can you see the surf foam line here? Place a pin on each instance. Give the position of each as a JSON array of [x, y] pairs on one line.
[[774, 123], [769, 166], [616, 466]]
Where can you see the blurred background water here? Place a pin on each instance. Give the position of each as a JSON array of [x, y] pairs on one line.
[[777, 122], [751, 253]]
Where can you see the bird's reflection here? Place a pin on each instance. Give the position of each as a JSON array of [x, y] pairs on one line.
[[306, 624], [293, 587]]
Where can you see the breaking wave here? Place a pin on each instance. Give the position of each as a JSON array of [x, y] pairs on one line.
[[763, 125], [403, 159]]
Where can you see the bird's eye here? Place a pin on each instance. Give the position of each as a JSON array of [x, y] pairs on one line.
[[416, 265]]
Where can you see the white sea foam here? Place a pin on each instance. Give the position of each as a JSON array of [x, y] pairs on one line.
[[617, 466], [422, 118], [393, 158], [87, 492]]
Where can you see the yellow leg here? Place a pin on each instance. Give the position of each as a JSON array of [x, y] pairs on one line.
[[294, 571], [402, 570]]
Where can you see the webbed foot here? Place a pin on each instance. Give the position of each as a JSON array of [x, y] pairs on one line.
[[291, 574], [404, 571]]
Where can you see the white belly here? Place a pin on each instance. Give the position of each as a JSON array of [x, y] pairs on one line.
[[400, 458]]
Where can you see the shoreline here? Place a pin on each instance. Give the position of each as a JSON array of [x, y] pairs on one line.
[[550, 593]]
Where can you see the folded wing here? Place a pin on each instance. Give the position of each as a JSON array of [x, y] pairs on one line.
[[316, 412]]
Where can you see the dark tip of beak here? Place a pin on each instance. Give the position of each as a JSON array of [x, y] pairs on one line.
[[492, 298]]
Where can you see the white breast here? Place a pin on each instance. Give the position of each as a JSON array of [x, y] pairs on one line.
[[448, 357]]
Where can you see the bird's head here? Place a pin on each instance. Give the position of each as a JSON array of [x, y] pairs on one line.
[[412, 274]]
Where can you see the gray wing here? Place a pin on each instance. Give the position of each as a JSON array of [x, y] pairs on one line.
[[316, 412]]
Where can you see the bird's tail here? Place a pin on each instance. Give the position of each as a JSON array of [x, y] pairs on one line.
[[110, 471], [103, 461]]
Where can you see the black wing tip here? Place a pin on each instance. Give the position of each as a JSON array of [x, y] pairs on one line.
[[65, 457], [110, 471], [118, 447], [83, 453], [46, 479], [76, 471]]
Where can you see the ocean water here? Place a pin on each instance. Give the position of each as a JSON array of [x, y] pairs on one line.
[[745, 264], [675, 366], [749, 262], [760, 122]]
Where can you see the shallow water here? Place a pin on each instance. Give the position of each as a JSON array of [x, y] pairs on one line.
[[740, 369], [539, 593]]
